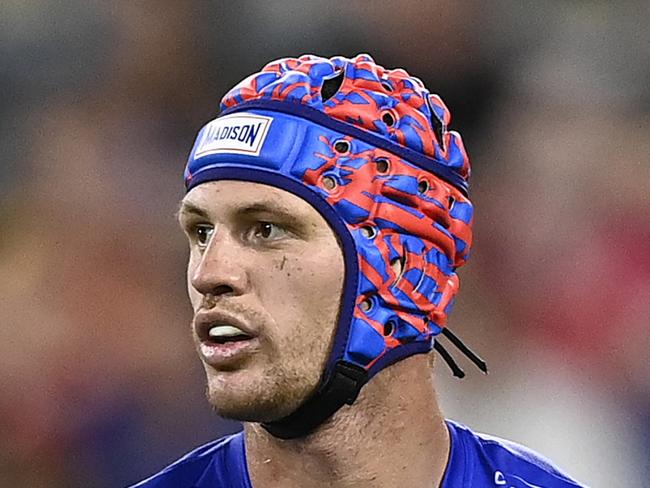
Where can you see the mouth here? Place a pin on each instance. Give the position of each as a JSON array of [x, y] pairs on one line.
[[224, 333], [219, 327], [224, 340]]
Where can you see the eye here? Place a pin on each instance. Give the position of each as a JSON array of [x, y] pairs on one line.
[[267, 231], [202, 234]]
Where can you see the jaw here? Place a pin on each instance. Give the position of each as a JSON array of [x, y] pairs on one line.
[[225, 384], [234, 394], [256, 393]]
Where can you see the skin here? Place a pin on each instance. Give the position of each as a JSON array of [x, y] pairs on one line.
[[267, 257]]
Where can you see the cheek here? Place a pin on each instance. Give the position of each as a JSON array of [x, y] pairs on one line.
[[302, 293], [195, 296]]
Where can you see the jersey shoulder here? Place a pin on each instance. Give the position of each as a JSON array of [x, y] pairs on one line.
[[200, 465], [485, 460]]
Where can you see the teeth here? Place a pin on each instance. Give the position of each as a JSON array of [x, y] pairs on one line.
[[225, 331]]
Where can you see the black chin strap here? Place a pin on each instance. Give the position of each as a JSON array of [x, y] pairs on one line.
[[342, 387], [471, 355]]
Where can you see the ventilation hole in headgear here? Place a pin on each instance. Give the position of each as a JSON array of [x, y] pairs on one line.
[[387, 86], [329, 183], [437, 124], [368, 231], [389, 327], [341, 146], [423, 187], [331, 86], [382, 165], [388, 119], [397, 265], [450, 202], [366, 305]]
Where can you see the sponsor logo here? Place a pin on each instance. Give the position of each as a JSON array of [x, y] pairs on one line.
[[499, 479], [515, 481], [236, 133]]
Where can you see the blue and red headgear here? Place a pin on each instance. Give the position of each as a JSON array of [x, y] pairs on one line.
[[369, 149]]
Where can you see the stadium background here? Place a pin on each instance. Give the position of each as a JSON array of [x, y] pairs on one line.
[[100, 104]]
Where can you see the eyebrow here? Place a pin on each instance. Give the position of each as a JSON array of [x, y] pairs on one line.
[[190, 208], [269, 207], [250, 209]]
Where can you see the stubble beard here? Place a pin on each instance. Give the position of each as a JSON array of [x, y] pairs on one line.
[[278, 387], [266, 399]]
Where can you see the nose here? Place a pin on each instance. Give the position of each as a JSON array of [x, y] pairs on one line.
[[221, 270]]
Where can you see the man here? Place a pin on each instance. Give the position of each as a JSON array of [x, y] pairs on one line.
[[327, 211]]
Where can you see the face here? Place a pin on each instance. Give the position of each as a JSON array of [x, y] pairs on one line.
[[265, 277]]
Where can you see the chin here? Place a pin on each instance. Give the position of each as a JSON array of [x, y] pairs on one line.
[[244, 408], [252, 401]]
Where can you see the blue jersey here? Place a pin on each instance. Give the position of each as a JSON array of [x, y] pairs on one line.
[[475, 460]]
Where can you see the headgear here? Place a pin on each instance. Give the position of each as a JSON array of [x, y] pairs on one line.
[[369, 149]]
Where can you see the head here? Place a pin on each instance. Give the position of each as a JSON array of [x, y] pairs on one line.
[[362, 156], [266, 261]]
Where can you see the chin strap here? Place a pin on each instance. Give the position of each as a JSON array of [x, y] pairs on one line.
[[342, 387], [471, 355]]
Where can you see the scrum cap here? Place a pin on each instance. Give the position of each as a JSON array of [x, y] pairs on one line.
[[369, 149]]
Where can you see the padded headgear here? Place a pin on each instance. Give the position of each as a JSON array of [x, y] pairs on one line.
[[369, 149]]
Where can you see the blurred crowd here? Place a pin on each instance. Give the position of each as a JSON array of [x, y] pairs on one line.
[[101, 102]]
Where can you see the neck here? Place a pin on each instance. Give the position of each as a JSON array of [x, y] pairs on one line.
[[393, 435]]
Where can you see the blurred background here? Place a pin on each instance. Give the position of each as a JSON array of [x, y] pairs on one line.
[[100, 104]]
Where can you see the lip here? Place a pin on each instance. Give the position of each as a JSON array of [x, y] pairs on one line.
[[228, 354], [203, 321]]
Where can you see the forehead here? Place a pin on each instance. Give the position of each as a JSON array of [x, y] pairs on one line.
[[225, 197]]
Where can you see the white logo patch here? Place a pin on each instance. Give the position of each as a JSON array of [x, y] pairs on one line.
[[236, 133], [499, 479]]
